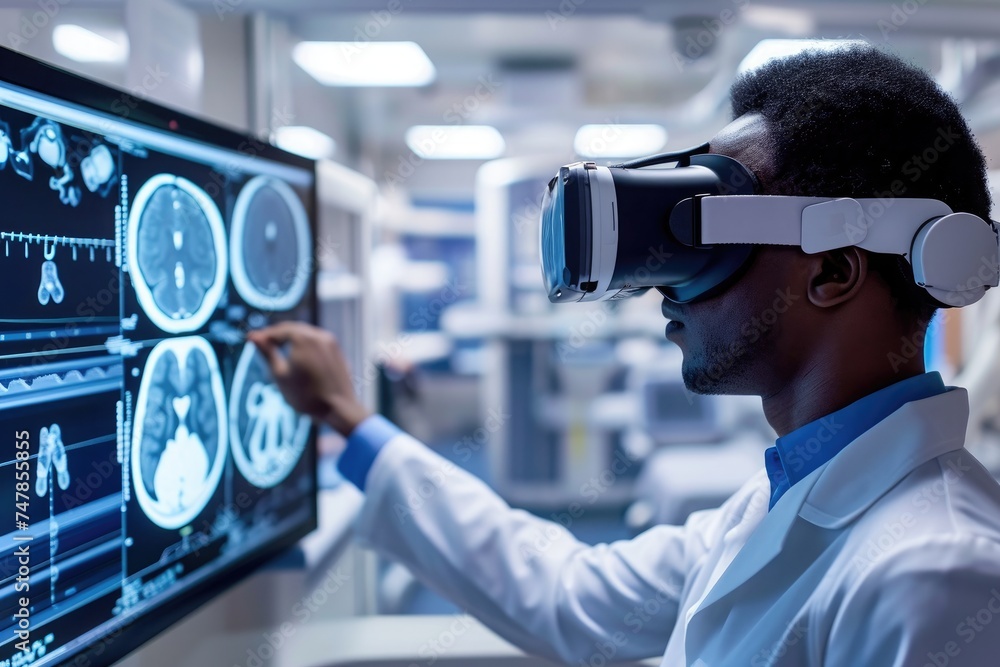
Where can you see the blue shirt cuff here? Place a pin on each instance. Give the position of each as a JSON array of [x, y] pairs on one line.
[[363, 445]]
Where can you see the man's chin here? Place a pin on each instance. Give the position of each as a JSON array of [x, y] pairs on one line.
[[716, 379], [697, 381]]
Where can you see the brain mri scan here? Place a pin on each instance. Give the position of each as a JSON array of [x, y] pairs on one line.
[[270, 245], [179, 437], [176, 253], [267, 435]]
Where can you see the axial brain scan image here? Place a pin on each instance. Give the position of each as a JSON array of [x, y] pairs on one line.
[[179, 437], [270, 245], [268, 436], [176, 250]]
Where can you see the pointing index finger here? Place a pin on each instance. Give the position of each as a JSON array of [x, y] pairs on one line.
[[274, 334]]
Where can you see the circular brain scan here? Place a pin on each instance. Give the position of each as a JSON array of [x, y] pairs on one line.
[[180, 430], [270, 245], [267, 435], [176, 253]]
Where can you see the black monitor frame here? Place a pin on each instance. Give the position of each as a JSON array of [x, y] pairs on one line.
[[20, 70]]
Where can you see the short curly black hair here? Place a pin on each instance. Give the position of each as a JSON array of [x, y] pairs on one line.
[[859, 122]]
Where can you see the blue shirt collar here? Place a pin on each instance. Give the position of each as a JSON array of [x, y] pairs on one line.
[[808, 447]]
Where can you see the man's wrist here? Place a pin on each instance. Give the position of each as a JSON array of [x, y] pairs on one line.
[[363, 446], [345, 418]]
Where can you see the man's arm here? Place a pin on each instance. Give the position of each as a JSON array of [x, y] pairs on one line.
[[935, 603], [527, 578]]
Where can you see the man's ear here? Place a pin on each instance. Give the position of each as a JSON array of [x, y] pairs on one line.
[[836, 276]]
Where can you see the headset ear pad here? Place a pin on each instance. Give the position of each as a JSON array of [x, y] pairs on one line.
[[956, 258]]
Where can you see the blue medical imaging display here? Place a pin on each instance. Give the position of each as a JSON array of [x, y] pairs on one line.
[[150, 460]]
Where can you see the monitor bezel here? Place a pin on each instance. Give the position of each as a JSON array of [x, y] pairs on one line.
[[55, 82]]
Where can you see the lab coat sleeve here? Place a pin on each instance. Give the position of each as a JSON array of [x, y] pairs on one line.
[[527, 578], [933, 603]]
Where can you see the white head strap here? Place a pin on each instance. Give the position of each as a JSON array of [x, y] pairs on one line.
[[955, 256]]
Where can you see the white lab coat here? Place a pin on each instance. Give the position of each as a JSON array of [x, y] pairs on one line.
[[886, 556]]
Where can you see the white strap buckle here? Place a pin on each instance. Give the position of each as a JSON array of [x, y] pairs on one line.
[[837, 223]]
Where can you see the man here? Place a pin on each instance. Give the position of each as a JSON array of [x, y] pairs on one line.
[[870, 538]]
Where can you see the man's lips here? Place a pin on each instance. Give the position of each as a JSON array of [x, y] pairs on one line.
[[672, 316]]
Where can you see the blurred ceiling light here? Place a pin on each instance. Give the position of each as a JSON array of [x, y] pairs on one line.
[[455, 142], [619, 140], [85, 46], [366, 64], [788, 21], [767, 50], [304, 140]]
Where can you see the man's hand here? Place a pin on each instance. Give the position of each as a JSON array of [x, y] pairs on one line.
[[311, 372]]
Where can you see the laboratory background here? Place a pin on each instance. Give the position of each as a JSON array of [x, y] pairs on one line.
[[435, 126]]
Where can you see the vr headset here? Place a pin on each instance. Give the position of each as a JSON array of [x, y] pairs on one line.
[[690, 231]]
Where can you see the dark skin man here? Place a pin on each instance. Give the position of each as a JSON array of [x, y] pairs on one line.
[[870, 535]]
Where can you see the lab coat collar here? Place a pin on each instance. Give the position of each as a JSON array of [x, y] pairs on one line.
[[838, 491], [764, 544], [877, 460]]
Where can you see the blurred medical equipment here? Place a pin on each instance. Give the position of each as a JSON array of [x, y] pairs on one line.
[[560, 439]]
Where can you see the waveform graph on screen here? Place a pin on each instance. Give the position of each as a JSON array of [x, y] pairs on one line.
[[52, 176]]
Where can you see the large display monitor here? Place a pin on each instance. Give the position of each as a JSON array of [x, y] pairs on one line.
[[148, 461]]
